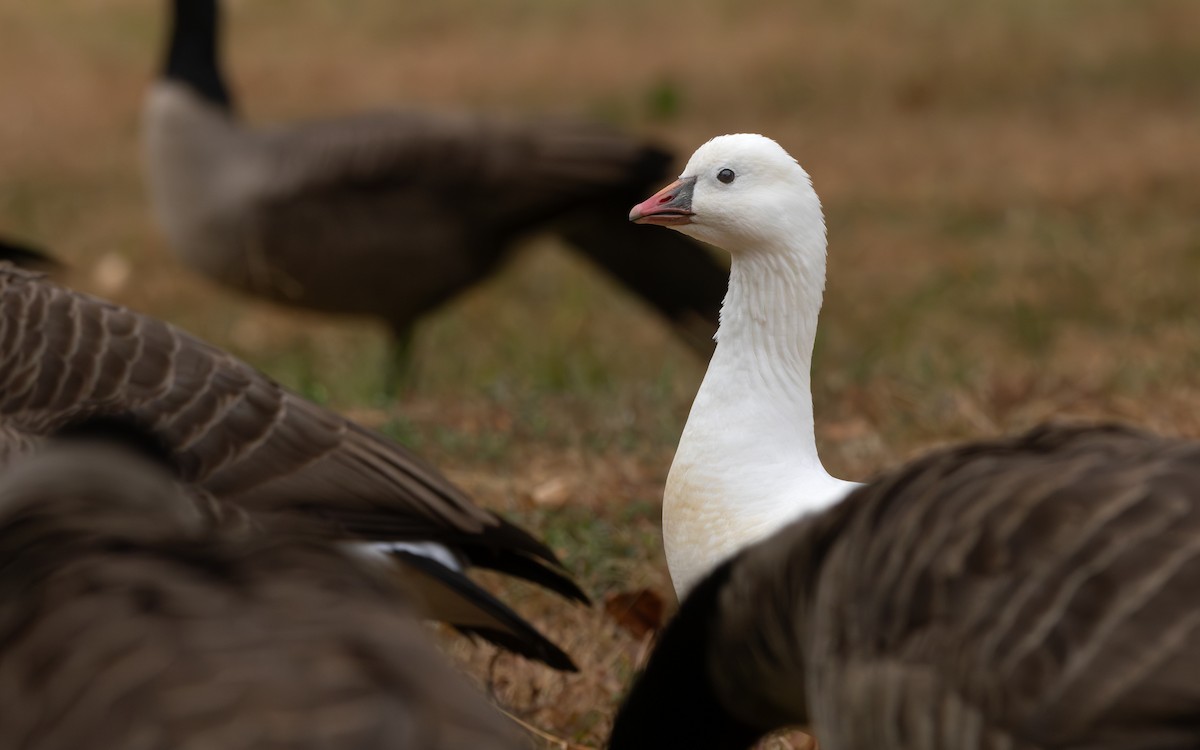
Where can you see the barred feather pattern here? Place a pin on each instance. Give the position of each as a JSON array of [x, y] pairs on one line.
[[67, 356], [243, 443], [1035, 592]]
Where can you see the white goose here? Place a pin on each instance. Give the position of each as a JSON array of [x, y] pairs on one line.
[[747, 462]]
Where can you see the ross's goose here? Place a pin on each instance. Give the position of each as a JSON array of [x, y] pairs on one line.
[[747, 462]]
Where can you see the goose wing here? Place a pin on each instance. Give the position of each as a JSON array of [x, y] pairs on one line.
[[234, 432], [507, 175], [232, 429], [1039, 591]]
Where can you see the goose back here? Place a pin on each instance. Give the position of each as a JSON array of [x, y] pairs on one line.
[[1037, 592]]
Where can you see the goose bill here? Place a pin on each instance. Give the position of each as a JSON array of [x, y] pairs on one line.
[[671, 206]]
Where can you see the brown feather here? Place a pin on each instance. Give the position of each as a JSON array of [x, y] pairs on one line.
[[232, 431], [1041, 591], [126, 620], [392, 213]]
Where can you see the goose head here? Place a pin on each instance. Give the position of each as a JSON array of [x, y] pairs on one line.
[[741, 192]]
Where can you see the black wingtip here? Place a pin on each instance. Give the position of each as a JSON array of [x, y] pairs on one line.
[[556, 659], [507, 548], [520, 637], [500, 546], [529, 569]]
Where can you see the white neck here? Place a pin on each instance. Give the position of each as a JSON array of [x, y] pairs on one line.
[[747, 461], [765, 344]]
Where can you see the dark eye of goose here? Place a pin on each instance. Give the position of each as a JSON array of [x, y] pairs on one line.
[[726, 175]]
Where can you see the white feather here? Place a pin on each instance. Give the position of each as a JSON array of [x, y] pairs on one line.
[[747, 462], [432, 550]]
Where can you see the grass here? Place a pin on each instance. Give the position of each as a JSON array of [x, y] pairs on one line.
[[1013, 198]]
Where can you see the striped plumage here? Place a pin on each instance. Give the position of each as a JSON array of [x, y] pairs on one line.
[[392, 213], [1035, 592], [237, 434], [128, 621]]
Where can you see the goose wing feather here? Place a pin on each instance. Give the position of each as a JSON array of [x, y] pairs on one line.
[[1033, 592], [235, 432], [505, 173], [420, 204]]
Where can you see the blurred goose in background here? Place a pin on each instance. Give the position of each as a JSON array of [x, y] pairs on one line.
[[392, 213], [128, 621], [747, 461], [240, 436], [1033, 592], [27, 256]]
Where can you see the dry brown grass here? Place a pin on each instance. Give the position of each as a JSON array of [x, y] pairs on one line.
[[1013, 194]]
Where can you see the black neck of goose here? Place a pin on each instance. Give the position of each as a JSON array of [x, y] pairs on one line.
[[193, 53], [673, 703]]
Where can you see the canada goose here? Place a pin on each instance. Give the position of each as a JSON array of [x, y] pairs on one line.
[[747, 461], [1041, 592], [237, 434], [126, 620], [392, 213], [26, 256]]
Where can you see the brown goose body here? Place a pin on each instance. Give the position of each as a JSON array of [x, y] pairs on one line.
[[238, 435], [392, 213], [126, 620], [1037, 592]]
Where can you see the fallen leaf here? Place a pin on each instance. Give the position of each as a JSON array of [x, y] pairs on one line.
[[553, 493], [637, 612]]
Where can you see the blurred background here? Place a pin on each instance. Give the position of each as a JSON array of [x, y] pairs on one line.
[[1012, 192]]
